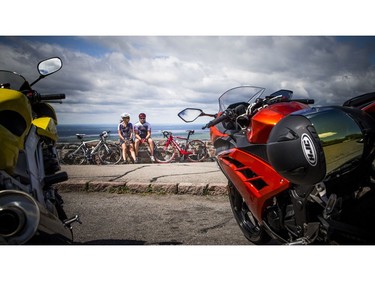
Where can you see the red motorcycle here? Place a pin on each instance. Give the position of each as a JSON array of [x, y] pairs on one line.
[[296, 173]]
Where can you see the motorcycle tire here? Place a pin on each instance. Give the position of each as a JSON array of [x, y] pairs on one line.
[[246, 221], [197, 150]]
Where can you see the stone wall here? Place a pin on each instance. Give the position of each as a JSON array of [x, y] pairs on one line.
[[143, 151]]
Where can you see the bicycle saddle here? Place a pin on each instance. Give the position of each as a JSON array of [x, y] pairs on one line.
[[80, 136]]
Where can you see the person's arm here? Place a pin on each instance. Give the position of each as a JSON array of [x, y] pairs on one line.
[[148, 132], [119, 132], [131, 132], [137, 136]]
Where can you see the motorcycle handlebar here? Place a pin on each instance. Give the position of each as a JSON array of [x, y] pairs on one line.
[[227, 114], [52, 97], [221, 118], [305, 101]]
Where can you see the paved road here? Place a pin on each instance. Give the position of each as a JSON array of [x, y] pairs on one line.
[[202, 172], [182, 178], [151, 219]]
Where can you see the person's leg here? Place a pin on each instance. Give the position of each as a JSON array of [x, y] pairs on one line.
[[123, 147], [152, 147], [136, 148], [132, 152]]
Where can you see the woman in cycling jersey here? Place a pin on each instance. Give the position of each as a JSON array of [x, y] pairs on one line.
[[125, 132]]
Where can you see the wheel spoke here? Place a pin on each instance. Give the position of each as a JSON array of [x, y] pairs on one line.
[[109, 153], [196, 150], [72, 155], [164, 153]]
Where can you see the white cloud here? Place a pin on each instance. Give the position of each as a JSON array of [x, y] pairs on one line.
[[161, 75]]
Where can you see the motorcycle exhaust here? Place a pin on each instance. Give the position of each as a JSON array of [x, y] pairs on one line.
[[19, 216], [22, 218]]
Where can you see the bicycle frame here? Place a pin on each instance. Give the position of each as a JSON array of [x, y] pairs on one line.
[[89, 152], [106, 152], [94, 150], [181, 151], [169, 149]]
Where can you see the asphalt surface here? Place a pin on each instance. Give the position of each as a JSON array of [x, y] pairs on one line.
[[150, 204], [152, 219]]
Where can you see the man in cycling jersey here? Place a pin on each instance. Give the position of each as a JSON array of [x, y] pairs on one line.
[[125, 132], [142, 131]]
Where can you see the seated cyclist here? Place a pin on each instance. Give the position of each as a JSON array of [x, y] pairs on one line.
[[125, 132], [142, 130]]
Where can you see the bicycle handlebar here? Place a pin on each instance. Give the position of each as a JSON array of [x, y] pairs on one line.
[[166, 133]]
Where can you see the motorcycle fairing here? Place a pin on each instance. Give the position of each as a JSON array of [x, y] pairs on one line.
[[45, 110], [216, 132], [365, 102], [9, 150], [255, 179], [46, 127], [264, 120], [361, 101], [15, 120]]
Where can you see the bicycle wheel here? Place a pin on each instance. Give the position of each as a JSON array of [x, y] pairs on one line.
[[109, 153], [197, 150], [164, 153], [60, 154], [73, 155]]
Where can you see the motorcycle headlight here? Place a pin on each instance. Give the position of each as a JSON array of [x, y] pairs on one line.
[[308, 145]]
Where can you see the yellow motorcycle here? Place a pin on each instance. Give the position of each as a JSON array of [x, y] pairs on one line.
[[31, 210]]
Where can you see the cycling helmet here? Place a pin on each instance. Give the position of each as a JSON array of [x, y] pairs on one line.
[[125, 114], [142, 115]]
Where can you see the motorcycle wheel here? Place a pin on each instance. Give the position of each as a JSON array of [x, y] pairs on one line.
[[197, 150], [163, 153], [110, 153], [245, 219]]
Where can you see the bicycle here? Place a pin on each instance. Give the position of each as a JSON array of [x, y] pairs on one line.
[[192, 150], [107, 152]]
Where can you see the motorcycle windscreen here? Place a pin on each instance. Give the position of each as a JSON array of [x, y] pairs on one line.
[[308, 145]]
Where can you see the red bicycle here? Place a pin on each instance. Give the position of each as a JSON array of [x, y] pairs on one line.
[[167, 150]]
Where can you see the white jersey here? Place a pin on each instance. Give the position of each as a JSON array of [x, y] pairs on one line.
[[142, 129]]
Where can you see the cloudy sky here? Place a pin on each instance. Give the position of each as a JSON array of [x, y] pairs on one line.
[[162, 74], [103, 76]]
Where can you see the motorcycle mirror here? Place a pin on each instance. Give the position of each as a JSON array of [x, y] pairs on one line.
[[190, 114], [48, 67]]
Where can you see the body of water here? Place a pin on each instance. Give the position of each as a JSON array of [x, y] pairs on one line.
[[67, 132]]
